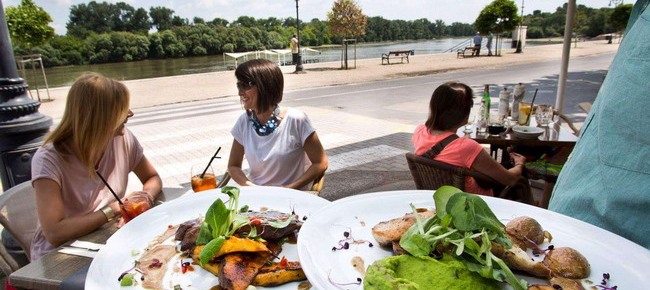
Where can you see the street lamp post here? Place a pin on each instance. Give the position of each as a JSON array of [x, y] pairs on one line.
[[22, 127], [521, 22], [299, 68]]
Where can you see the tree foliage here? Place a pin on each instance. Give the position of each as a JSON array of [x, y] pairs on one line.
[[346, 20], [620, 16], [104, 17], [498, 16], [107, 32], [589, 22], [28, 24]]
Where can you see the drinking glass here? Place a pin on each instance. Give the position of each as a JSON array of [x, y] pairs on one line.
[[543, 114], [208, 181], [495, 125], [133, 206], [524, 112]]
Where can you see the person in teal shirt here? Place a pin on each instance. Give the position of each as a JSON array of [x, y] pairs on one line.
[[606, 181]]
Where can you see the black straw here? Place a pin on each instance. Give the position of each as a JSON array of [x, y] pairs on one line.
[[531, 106], [109, 187], [213, 157]]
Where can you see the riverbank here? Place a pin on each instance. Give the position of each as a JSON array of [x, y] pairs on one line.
[[184, 88]]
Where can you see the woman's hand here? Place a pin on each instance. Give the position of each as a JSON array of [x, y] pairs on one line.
[[143, 194], [517, 159]]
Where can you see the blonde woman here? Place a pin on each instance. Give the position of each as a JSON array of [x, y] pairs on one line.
[[71, 200]]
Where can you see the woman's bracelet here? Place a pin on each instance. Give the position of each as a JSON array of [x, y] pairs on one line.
[[108, 212]]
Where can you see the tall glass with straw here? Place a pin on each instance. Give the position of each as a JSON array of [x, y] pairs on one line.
[[203, 178], [132, 206]]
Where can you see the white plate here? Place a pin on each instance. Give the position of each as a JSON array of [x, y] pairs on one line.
[[527, 132], [115, 257], [626, 261]]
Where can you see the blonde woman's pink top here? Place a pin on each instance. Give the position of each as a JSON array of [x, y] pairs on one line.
[[81, 193]]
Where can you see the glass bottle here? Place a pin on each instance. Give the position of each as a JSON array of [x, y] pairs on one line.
[[518, 95], [484, 110], [504, 102]]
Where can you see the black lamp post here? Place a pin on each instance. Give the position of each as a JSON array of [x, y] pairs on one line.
[[22, 127], [299, 68], [521, 22]]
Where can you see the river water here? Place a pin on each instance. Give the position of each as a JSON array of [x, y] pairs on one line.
[[65, 75]]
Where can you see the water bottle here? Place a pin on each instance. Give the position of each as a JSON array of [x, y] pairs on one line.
[[518, 93], [484, 111], [504, 102]]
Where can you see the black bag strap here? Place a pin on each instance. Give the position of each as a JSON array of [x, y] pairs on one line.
[[436, 149]]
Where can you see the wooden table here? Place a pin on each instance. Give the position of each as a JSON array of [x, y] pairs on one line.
[[49, 271], [554, 136]]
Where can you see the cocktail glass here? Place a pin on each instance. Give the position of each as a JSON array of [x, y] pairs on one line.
[[133, 206], [205, 182]]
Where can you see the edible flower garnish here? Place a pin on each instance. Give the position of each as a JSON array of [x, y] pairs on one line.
[[466, 225], [604, 282]]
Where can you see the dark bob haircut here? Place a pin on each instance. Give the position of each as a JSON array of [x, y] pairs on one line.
[[267, 77], [450, 106]]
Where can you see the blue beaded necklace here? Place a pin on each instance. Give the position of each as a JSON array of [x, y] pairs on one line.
[[269, 126]]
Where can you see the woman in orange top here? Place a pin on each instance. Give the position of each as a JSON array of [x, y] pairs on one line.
[[449, 110]]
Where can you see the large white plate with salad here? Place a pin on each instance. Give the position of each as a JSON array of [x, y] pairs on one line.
[[117, 255], [626, 262]]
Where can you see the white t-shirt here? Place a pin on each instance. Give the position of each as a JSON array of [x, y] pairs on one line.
[[278, 158]]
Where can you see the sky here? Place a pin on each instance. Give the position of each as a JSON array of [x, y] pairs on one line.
[[449, 11]]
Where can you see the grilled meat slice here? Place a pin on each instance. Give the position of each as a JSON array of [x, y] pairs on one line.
[[278, 274], [182, 228], [237, 270], [189, 239], [261, 219], [390, 231]]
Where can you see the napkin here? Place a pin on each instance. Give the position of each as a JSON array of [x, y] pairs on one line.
[[86, 245], [78, 252], [81, 248]]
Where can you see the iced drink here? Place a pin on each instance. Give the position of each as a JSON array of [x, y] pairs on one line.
[[524, 113], [209, 181], [134, 206]]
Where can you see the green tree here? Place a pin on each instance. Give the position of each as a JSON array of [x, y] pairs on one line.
[[498, 16], [28, 24], [346, 20], [161, 17], [620, 15]]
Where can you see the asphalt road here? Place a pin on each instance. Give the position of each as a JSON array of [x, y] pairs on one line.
[[375, 99]]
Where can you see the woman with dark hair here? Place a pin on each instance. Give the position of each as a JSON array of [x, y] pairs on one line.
[[280, 144], [449, 110]]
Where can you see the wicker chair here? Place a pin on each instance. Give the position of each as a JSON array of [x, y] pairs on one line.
[[432, 174], [18, 216]]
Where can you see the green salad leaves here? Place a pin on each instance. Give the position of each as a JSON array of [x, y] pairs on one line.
[[465, 226], [221, 222]]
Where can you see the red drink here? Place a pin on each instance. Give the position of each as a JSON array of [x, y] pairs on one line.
[[134, 206]]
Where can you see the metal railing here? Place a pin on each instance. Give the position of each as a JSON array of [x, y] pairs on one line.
[[462, 44]]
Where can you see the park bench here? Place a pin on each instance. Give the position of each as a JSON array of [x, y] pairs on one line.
[[463, 51], [397, 53]]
